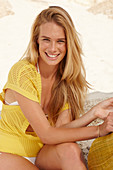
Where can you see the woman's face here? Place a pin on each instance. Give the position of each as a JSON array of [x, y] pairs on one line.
[[52, 43]]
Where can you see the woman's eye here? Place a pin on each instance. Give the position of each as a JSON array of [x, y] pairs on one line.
[[45, 39], [61, 41]]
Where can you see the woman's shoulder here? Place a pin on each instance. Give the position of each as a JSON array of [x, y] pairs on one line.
[[22, 66], [23, 78]]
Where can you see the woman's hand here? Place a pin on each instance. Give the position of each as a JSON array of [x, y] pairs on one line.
[[102, 109], [107, 126]]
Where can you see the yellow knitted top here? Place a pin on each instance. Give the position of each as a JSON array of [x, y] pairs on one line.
[[24, 79]]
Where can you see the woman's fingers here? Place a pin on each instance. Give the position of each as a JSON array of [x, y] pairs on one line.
[[103, 108], [107, 126]]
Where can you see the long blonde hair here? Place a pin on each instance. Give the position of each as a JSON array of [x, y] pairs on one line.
[[70, 85]]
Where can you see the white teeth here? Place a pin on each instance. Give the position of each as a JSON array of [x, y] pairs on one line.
[[52, 56]]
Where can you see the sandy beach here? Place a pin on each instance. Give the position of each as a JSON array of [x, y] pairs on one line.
[[93, 22], [95, 33]]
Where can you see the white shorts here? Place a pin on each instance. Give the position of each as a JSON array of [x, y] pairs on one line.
[[31, 159]]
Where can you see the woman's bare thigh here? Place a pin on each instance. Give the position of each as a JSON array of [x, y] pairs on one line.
[[14, 162]]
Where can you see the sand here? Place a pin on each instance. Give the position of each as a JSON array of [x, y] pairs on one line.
[[5, 8], [95, 25], [95, 30]]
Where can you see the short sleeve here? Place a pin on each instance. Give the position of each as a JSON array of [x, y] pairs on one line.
[[24, 79], [2, 97]]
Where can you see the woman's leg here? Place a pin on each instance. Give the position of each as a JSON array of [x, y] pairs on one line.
[[14, 162], [60, 157]]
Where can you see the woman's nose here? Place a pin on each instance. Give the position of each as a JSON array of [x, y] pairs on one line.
[[53, 47]]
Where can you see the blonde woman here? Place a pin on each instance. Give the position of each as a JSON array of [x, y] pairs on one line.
[[43, 99]]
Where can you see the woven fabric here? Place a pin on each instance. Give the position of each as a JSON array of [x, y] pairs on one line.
[[100, 156], [24, 79]]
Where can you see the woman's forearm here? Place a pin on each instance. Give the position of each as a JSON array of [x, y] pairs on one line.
[[82, 121], [61, 135]]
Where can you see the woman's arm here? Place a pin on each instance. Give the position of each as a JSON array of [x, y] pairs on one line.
[[82, 121], [101, 110], [64, 119], [48, 134]]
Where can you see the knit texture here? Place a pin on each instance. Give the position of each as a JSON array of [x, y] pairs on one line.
[[24, 79], [101, 153]]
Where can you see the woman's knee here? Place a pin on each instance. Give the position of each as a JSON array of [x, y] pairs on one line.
[[69, 151]]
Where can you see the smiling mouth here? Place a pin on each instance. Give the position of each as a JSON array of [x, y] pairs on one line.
[[52, 56]]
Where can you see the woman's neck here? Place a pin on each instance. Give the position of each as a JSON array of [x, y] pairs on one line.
[[46, 71]]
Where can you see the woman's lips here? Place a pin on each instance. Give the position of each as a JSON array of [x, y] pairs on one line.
[[53, 56]]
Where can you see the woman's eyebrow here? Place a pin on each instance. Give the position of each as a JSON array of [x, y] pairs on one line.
[[61, 38], [45, 37], [50, 38]]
